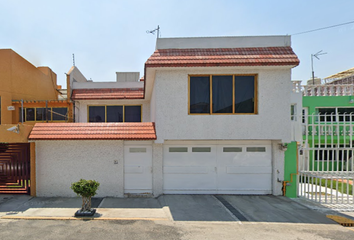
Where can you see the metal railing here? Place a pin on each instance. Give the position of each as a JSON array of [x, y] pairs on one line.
[[326, 166]]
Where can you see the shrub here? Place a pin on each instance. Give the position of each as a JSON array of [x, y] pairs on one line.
[[85, 188]]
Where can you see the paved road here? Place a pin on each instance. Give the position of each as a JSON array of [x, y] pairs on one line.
[[133, 230]]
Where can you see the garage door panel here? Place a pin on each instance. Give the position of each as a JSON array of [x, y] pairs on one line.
[[186, 170], [225, 169], [248, 170]]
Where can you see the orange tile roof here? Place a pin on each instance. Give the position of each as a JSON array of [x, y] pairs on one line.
[[108, 93], [93, 131], [213, 57]]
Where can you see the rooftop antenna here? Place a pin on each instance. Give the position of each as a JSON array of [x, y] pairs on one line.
[[316, 56], [155, 30], [74, 60]]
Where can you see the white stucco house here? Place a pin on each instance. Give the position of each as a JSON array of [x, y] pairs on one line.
[[209, 117]]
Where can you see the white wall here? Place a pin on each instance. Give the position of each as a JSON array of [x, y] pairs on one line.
[[271, 123], [60, 163], [223, 42], [81, 107]]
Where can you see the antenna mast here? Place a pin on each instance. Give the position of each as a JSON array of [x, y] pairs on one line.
[[155, 30], [74, 60]]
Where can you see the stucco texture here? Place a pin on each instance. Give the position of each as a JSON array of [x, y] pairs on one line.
[[271, 123], [60, 163]]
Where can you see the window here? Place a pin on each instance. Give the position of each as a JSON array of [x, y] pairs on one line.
[[232, 149], [201, 149], [44, 114], [222, 94], [178, 149], [330, 153], [137, 150], [255, 149], [336, 114], [114, 113], [293, 110]]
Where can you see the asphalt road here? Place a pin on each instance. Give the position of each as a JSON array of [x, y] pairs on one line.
[[129, 230]]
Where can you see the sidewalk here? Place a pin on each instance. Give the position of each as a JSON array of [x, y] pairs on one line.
[[26, 207]]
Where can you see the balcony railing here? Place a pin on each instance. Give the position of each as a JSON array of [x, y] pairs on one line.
[[323, 90]]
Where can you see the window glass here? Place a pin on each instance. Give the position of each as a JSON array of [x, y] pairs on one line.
[[327, 114], [349, 112], [132, 113], [178, 149], [232, 149], [40, 114], [199, 95], [293, 112], [222, 94], [256, 149], [244, 94], [59, 114], [114, 114], [97, 114], [30, 113], [201, 149], [137, 150]]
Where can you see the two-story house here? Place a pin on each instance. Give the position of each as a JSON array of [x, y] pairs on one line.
[[28, 95], [211, 115]]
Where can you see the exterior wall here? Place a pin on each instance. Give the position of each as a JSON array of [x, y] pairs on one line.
[[60, 163], [19, 79], [223, 42], [157, 166], [81, 108], [278, 168], [271, 123], [290, 170], [84, 85]]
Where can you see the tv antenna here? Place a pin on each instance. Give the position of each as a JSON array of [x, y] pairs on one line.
[[316, 56], [74, 60], [155, 30]]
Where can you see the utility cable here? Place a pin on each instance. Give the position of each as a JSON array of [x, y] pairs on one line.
[[318, 29]]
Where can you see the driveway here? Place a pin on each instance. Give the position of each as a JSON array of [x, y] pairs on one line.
[[211, 208]]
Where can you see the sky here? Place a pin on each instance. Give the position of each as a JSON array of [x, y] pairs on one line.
[[109, 36]]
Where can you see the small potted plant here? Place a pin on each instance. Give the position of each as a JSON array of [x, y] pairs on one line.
[[86, 189]]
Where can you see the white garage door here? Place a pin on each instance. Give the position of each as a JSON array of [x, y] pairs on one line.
[[138, 169], [224, 169]]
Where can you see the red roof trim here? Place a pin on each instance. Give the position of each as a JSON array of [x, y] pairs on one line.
[[93, 131], [107, 93]]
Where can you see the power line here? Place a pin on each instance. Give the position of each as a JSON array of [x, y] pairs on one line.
[[318, 29]]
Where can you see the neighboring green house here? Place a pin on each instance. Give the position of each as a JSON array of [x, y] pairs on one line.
[[328, 117]]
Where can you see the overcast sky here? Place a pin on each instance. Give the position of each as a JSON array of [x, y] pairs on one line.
[[110, 35]]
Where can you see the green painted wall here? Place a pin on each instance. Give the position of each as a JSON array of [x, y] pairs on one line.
[[290, 169], [326, 101]]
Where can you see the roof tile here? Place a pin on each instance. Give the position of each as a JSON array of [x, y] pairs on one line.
[[93, 131], [208, 57], [108, 93]]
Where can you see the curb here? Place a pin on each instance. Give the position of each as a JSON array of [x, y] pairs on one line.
[[83, 218]]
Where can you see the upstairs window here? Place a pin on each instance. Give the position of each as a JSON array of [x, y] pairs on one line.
[[222, 94], [55, 114], [114, 113]]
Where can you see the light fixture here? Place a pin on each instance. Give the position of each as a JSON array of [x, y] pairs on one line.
[[15, 129]]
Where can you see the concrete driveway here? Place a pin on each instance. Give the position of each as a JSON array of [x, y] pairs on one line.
[[216, 208]]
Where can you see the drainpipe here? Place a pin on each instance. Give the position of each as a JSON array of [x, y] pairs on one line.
[[22, 111]]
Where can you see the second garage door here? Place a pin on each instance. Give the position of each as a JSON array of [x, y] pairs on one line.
[[210, 169]]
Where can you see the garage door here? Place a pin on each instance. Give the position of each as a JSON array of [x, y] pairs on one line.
[[224, 169], [138, 169]]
